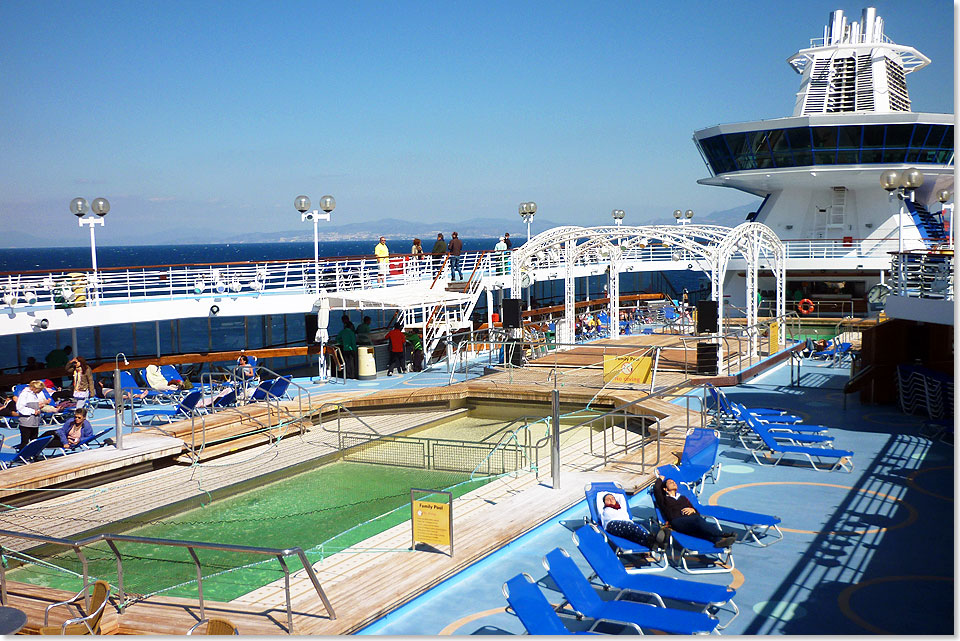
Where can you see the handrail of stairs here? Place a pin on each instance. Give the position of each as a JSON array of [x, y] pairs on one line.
[[112, 539]]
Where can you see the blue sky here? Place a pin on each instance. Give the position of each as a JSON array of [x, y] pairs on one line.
[[215, 115]]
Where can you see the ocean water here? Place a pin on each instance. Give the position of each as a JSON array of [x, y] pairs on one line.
[[232, 333]]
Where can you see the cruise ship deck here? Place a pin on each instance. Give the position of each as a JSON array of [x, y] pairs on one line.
[[851, 541]]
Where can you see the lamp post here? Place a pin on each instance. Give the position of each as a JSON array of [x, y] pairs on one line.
[[327, 204], [900, 184], [118, 398], [100, 207], [944, 195], [617, 216], [527, 212], [683, 217]]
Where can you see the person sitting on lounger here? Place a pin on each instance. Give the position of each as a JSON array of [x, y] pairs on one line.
[[73, 431], [684, 518], [157, 381], [616, 520]]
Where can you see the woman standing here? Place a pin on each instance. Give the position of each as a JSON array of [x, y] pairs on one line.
[[416, 255], [82, 380], [29, 405]]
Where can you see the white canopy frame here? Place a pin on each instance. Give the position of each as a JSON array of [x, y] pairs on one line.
[[705, 247]]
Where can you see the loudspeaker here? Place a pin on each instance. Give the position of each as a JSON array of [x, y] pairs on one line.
[[310, 324], [511, 312], [707, 358], [708, 314]]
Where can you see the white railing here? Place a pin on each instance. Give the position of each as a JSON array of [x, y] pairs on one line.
[[850, 248]]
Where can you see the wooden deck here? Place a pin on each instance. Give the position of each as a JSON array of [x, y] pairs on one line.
[[369, 580]]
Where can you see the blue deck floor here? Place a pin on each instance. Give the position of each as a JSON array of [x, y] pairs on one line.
[[870, 551]]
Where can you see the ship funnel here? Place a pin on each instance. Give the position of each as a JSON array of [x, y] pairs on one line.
[[837, 25], [868, 20]]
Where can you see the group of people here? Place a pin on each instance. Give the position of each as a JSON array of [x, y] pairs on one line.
[[350, 338], [452, 251]]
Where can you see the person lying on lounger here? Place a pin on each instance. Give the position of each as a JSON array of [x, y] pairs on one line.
[[684, 518], [616, 520]]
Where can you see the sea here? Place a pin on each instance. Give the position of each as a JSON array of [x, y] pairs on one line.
[[231, 333]]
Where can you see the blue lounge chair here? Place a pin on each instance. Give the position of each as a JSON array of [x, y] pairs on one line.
[[745, 419], [783, 434], [698, 460], [754, 523], [184, 409], [163, 396], [724, 406], [532, 608], [720, 559], [129, 384], [594, 495], [586, 602], [263, 390], [84, 442], [842, 459], [26, 453], [592, 543]]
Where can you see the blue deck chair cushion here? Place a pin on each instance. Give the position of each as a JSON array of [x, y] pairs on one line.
[[585, 600], [591, 542], [594, 493], [26, 453], [532, 608], [755, 523], [183, 409]]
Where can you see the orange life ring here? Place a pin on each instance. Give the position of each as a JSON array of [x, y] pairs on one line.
[[805, 306]]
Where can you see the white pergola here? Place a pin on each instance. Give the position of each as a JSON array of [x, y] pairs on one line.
[[708, 248]]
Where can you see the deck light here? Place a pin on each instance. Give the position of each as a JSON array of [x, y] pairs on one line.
[[900, 184], [30, 297], [890, 179], [328, 204], [214, 309], [683, 217], [199, 286], [235, 285], [912, 179], [301, 203], [527, 211], [100, 207], [944, 195], [40, 323], [10, 299], [618, 215]]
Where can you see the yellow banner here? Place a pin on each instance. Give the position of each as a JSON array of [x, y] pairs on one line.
[[627, 369], [774, 337], [431, 523]]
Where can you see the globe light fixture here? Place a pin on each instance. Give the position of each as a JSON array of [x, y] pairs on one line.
[[901, 184], [327, 204], [100, 207], [618, 215]]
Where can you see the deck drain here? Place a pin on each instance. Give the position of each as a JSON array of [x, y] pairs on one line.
[[780, 610]]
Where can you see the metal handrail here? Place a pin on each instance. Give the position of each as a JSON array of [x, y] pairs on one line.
[[338, 406], [191, 546]]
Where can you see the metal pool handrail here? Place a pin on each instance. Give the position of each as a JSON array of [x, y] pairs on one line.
[[111, 539], [339, 406]]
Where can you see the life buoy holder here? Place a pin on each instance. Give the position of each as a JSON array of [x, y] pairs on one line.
[[805, 306]]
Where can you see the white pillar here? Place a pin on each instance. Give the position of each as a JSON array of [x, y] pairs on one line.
[[613, 291], [569, 295]]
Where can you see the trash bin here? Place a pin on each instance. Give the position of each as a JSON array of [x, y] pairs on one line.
[[367, 364]]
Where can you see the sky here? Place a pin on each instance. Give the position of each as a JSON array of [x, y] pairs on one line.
[[207, 117]]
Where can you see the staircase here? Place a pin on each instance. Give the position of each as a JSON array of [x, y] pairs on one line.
[[930, 225], [453, 316]]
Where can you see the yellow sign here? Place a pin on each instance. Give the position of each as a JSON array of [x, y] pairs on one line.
[[627, 369], [431, 523], [774, 337]]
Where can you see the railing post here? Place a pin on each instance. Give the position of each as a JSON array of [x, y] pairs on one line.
[[3, 577], [286, 590], [555, 440], [196, 561], [122, 595]]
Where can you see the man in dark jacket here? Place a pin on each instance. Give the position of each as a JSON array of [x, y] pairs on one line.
[[439, 249], [683, 517], [456, 248]]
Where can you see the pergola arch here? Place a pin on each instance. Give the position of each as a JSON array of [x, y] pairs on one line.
[[710, 247]]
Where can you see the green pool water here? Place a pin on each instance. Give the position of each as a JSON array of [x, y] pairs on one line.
[[303, 510]]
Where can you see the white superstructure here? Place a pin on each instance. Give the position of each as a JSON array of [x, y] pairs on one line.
[[818, 170]]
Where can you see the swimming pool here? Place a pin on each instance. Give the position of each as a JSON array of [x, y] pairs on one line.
[[335, 505]]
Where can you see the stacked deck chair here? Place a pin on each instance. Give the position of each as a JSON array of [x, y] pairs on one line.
[[534, 611], [793, 434], [585, 601], [592, 543], [698, 460], [755, 525], [723, 405], [694, 548], [594, 494], [770, 448]]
